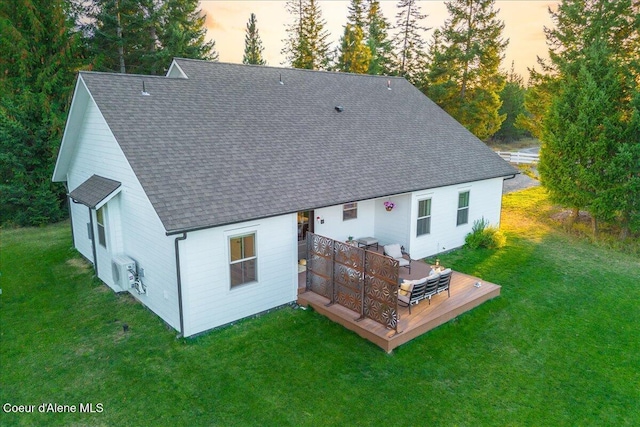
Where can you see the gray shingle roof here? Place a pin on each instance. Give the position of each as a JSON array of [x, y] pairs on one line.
[[94, 190], [230, 143]]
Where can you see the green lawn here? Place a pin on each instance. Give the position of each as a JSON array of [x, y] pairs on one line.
[[560, 346]]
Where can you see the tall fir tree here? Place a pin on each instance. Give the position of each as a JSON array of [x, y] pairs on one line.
[[354, 54], [408, 41], [306, 45], [382, 59], [37, 69], [512, 98], [588, 160], [253, 44], [182, 33], [142, 36], [464, 76]]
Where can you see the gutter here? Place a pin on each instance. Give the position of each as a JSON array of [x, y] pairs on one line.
[[511, 177], [179, 280]]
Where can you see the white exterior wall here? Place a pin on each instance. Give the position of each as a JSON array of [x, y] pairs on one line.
[[393, 226], [134, 228], [208, 299], [485, 200], [399, 225], [80, 224], [336, 228]]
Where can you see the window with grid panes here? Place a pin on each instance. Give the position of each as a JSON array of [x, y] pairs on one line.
[[424, 217], [463, 208], [243, 259]]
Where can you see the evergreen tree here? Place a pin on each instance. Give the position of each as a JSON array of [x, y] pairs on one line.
[[253, 44], [591, 150], [182, 33], [354, 54], [512, 98], [382, 60], [464, 77], [37, 70], [143, 36], [408, 41], [537, 99], [306, 45]]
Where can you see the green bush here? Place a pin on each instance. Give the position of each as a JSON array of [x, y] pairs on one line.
[[484, 235]]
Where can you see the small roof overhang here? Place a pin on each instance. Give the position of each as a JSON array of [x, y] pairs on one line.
[[95, 191]]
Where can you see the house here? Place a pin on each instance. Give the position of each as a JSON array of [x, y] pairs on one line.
[[209, 177]]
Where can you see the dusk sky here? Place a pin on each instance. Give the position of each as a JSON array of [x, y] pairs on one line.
[[226, 23]]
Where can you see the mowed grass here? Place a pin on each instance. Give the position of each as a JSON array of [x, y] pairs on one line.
[[559, 347]]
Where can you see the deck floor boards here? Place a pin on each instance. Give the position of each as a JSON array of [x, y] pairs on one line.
[[424, 316]]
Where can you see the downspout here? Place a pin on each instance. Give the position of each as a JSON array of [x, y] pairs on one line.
[[179, 280]]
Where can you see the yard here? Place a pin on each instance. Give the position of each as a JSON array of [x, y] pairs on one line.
[[559, 347]]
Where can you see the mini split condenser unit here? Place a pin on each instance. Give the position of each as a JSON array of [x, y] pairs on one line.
[[124, 271]]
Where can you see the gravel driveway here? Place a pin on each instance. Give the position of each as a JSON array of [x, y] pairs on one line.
[[520, 182]]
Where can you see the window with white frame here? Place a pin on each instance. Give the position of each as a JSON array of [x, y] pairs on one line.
[[463, 208], [424, 217], [243, 259], [100, 220], [350, 211]]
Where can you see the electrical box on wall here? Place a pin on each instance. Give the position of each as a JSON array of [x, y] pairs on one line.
[[124, 271]]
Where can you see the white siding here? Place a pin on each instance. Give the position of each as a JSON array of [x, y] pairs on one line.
[[399, 225], [140, 234], [485, 200], [393, 226], [80, 225], [336, 228], [208, 299]]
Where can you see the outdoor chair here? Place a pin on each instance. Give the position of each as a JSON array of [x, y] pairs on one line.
[[395, 251], [431, 286], [444, 281], [413, 293]]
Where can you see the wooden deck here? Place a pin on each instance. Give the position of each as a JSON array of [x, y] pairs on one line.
[[424, 316]]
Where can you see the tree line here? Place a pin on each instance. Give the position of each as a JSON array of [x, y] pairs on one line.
[[583, 104]]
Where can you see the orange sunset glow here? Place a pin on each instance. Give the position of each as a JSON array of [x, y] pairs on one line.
[[226, 23]]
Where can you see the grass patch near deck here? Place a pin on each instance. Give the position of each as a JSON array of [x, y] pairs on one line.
[[559, 347]]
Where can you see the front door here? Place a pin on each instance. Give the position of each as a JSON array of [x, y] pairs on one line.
[[305, 224]]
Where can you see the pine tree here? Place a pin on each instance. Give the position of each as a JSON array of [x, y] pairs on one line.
[[464, 77], [253, 44], [143, 36], [590, 155], [37, 69], [306, 45], [512, 98], [182, 33], [408, 41], [354, 54], [382, 60]]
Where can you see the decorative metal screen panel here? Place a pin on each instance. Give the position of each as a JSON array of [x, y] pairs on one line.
[[381, 289], [363, 281], [348, 275], [320, 265]]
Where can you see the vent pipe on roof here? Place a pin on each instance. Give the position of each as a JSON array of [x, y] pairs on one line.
[[144, 91], [389, 84], [281, 82], [339, 108]]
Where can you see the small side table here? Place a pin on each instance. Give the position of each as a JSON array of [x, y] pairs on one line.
[[367, 242]]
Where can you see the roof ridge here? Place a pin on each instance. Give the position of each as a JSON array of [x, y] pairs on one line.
[[273, 67], [109, 73]]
